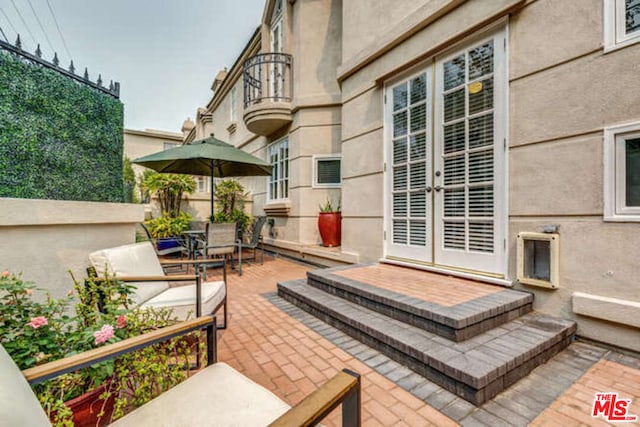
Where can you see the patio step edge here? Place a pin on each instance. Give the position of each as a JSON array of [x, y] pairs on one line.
[[457, 323], [476, 370]]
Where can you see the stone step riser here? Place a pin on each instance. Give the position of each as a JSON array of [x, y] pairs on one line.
[[474, 390], [407, 313]]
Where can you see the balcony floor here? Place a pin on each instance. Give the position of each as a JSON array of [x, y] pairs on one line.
[[291, 353]]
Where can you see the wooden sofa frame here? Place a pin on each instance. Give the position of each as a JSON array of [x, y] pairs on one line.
[[343, 389]]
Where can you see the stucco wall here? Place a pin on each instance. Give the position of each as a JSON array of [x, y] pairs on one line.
[[313, 38], [563, 91], [44, 239]]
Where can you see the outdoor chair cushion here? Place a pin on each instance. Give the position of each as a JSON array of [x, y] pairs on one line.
[[216, 396], [19, 406], [139, 259], [183, 299]]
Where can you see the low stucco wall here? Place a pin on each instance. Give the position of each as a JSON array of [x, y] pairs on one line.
[[45, 239]]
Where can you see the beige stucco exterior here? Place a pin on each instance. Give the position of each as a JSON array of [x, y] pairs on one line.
[[562, 90], [47, 239], [312, 36]]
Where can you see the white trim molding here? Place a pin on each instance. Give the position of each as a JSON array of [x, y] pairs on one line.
[[326, 157], [615, 34], [615, 208]]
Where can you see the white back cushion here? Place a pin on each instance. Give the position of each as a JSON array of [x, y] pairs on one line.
[[19, 406], [138, 259]]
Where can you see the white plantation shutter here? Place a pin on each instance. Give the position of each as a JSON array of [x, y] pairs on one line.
[[468, 211], [410, 172]]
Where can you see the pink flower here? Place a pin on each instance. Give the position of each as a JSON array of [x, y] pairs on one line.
[[36, 322], [121, 321], [5, 273], [70, 293], [104, 334], [29, 292]]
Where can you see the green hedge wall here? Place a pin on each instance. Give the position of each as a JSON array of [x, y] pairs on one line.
[[59, 139]]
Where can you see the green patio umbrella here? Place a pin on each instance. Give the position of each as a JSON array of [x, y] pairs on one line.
[[206, 157]]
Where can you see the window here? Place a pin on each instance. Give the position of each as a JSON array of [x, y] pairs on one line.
[[326, 171], [622, 23], [279, 181], [203, 184], [168, 145], [622, 173], [233, 101]]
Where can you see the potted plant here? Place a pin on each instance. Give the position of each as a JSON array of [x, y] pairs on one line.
[[169, 189], [330, 223], [39, 331], [167, 230]]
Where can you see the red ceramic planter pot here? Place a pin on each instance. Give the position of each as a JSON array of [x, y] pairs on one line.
[[87, 406], [330, 227]]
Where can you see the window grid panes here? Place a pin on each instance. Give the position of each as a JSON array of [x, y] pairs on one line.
[[203, 184], [632, 16], [467, 150], [279, 179], [409, 169]]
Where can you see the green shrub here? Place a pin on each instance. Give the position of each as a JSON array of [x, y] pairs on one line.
[[59, 139], [230, 196], [167, 226], [169, 188]]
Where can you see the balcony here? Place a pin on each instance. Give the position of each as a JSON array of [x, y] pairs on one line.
[[268, 89]]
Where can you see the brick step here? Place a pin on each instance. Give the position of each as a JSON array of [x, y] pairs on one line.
[[455, 322], [476, 370]]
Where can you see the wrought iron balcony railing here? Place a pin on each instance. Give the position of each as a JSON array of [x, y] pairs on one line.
[[267, 78]]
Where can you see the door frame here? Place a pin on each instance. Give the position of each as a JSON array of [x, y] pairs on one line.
[[502, 212], [388, 162]]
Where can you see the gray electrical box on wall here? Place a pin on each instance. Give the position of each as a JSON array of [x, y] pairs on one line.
[[537, 259]]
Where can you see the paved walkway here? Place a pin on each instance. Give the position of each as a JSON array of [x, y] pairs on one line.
[[291, 353]]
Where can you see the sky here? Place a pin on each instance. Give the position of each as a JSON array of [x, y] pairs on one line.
[[164, 53]]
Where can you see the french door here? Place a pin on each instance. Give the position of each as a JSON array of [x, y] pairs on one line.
[[444, 162]]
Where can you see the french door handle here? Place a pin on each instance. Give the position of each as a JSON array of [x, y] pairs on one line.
[[438, 188]]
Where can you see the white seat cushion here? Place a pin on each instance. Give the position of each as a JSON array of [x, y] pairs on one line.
[[183, 299], [217, 396], [18, 405], [138, 259]]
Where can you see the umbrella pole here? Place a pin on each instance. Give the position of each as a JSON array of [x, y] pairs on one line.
[[212, 192]]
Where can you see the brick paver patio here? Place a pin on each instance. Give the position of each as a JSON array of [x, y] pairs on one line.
[[420, 284], [291, 353]]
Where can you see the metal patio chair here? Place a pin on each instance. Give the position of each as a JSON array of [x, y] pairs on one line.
[[221, 241], [255, 239]]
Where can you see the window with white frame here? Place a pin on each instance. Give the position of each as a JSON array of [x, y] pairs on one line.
[[234, 101], [203, 184], [622, 173], [278, 153], [327, 171], [622, 23]]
